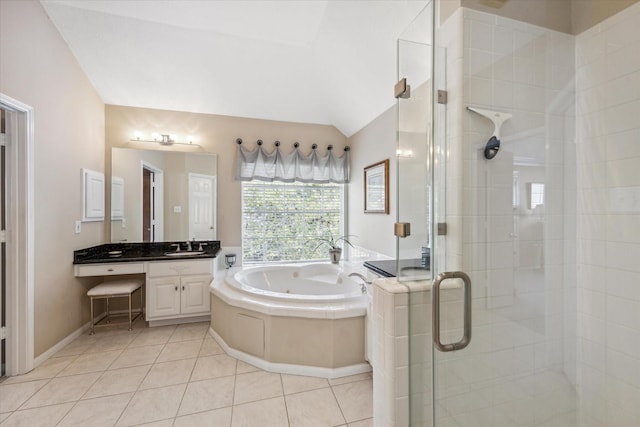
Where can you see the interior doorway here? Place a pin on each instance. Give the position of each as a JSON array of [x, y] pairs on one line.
[[152, 203], [147, 205], [17, 236]]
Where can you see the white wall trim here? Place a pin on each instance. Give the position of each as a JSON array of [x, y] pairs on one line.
[[61, 344], [75, 334], [20, 236]]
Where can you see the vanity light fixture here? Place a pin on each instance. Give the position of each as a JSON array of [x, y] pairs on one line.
[[163, 139]]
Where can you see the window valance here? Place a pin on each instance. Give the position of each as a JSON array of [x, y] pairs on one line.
[[260, 165]]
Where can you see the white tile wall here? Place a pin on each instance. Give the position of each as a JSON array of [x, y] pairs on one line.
[[556, 341], [519, 313], [608, 154]]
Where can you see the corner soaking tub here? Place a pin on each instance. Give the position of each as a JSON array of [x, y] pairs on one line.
[[296, 319]]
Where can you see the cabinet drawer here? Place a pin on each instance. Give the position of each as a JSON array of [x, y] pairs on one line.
[[109, 269], [179, 268]]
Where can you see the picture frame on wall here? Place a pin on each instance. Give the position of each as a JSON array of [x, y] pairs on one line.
[[376, 188]]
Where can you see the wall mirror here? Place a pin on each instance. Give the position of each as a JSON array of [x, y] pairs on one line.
[[162, 195]]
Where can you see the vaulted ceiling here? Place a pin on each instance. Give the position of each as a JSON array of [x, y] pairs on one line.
[[327, 62]]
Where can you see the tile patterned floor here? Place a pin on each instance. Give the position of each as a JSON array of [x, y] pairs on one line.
[[174, 376]]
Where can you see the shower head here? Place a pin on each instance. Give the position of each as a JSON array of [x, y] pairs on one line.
[[498, 118]]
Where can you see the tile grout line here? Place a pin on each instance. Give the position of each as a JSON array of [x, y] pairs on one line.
[[102, 372], [48, 380], [58, 376], [75, 403], [142, 381], [339, 405], [233, 394], [106, 370], [284, 398], [188, 382]]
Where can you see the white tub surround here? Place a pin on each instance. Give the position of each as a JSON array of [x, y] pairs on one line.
[[391, 354], [297, 319]]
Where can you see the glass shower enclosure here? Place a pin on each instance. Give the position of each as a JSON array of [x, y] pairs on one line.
[[485, 258]]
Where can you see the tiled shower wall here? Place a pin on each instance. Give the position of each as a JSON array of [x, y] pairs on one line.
[[514, 255], [588, 330], [556, 303], [608, 166]]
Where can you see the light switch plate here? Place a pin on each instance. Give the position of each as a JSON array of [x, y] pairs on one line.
[[78, 227], [177, 209]]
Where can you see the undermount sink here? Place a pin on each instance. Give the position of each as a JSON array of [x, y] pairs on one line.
[[184, 253]]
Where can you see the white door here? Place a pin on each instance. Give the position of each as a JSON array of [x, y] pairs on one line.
[[164, 297], [117, 198], [202, 207], [195, 294]]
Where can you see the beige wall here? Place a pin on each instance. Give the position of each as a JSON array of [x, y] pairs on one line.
[[587, 13], [216, 134], [552, 14], [372, 144], [38, 69], [567, 16]]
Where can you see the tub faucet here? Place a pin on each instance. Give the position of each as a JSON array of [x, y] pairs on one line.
[[365, 282]]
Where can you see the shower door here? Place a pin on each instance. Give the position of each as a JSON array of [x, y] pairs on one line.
[[421, 169], [501, 222]]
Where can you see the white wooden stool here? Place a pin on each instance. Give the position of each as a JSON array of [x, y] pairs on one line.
[[115, 289]]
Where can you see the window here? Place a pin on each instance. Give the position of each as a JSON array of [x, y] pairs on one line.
[[280, 220], [536, 194], [516, 189]]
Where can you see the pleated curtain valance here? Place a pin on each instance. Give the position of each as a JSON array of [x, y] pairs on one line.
[[260, 165]]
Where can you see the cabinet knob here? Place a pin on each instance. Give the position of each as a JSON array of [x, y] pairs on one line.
[[109, 269], [183, 288], [176, 289]]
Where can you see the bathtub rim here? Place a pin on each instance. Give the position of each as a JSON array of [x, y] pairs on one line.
[[316, 309], [264, 293]]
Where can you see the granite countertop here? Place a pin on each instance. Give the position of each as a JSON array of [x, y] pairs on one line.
[[389, 267], [136, 252]]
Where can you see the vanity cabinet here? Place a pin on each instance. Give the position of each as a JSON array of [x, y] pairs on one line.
[[177, 289]]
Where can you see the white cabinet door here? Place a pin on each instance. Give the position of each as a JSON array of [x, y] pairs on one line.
[[195, 294], [92, 195], [163, 296]]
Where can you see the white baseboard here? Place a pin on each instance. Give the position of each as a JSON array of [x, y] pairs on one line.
[[69, 338], [179, 320], [287, 368], [60, 344]]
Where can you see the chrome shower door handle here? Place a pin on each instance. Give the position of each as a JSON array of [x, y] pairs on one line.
[[466, 337]]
